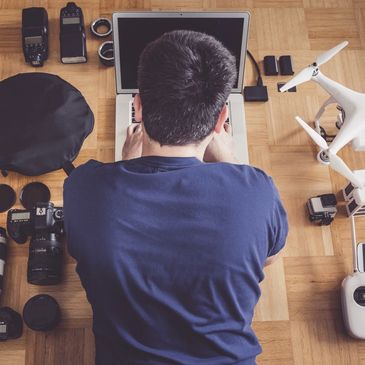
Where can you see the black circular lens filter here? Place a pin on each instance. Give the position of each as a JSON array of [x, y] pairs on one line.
[[33, 193], [41, 313], [7, 197]]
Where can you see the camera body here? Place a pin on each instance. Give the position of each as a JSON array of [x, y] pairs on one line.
[[44, 224], [322, 208], [43, 218], [35, 35]]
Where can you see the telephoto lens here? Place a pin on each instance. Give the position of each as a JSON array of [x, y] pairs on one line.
[[45, 259], [3, 239]]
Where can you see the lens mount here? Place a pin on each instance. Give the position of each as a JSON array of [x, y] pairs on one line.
[[98, 23]]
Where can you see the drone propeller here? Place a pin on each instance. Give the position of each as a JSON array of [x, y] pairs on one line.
[[307, 73], [336, 162], [326, 56], [317, 138], [339, 165], [303, 76]]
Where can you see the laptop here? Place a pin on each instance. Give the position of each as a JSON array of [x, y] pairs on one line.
[[132, 31]]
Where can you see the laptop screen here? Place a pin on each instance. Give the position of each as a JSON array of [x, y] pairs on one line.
[[135, 33]]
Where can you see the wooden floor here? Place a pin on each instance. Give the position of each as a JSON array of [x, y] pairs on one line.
[[298, 319]]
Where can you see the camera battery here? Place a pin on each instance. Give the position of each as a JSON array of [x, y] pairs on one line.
[[271, 66], [285, 64]]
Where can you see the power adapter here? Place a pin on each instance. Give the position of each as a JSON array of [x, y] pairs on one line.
[[255, 93]]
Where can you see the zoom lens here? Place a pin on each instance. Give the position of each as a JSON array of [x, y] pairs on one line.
[[3, 239], [45, 260]]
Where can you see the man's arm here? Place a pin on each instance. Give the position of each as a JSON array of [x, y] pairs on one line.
[[132, 147], [271, 259], [278, 227], [220, 148]]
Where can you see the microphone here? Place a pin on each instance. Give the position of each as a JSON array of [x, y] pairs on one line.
[[3, 240]]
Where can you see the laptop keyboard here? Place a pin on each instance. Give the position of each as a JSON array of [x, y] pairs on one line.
[[132, 113]]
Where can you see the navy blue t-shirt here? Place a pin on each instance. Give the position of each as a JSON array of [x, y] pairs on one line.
[[170, 251]]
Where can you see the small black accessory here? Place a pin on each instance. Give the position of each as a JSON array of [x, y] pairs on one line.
[[34, 192], [322, 209], [72, 34], [3, 242], [35, 35], [285, 65], [101, 22], [106, 53], [255, 93], [11, 324], [291, 90], [41, 313], [43, 122], [271, 66], [258, 92], [44, 224], [7, 197]]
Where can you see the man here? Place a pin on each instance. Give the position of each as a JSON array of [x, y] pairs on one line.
[[171, 249]]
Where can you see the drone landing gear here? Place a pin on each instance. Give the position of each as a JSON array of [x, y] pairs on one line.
[[339, 122]]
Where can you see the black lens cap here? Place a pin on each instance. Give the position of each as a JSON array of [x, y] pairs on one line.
[[34, 192], [7, 197], [41, 313], [11, 323]]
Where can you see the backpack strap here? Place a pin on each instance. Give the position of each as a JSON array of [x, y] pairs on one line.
[[68, 167]]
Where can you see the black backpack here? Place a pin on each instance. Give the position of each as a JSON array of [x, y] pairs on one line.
[[44, 121]]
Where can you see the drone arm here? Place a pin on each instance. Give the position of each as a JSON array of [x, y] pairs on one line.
[[343, 95]]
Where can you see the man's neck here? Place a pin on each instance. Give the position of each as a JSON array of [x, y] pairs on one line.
[[152, 148]]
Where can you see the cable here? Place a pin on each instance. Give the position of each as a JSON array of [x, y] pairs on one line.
[[259, 78]]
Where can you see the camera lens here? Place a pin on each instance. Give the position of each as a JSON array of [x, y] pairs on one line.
[[45, 259], [3, 239]]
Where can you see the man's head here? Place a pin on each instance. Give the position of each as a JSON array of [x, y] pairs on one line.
[[184, 80]]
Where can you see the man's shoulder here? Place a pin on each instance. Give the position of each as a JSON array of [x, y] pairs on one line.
[[245, 174], [83, 172]]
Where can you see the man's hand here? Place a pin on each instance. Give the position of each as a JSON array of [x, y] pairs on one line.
[[220, 148], [133, 144]]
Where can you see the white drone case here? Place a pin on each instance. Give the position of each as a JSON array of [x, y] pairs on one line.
[[353, 313]]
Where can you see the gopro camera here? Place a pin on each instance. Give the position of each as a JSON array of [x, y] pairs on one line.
[[44, 224], [35, 35], [72, 34], [322, 209]]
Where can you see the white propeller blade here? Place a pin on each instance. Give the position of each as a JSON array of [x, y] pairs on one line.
[[326, 56], [303, 76], [307, 73], [335, 162], [317, 138], [339, 165]]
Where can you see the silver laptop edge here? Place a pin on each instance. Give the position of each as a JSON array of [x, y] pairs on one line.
[[244, 15]]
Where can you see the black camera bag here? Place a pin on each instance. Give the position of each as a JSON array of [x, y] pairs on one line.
[[44, 121]]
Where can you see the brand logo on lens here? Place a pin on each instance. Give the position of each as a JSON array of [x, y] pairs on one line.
[[41, 211]]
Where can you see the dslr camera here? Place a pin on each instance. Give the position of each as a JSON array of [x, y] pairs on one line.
[[44, 225]]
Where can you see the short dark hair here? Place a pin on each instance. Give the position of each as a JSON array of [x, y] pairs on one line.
[[184, 80]]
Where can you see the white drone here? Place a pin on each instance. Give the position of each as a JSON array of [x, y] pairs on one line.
[[352, 122]]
